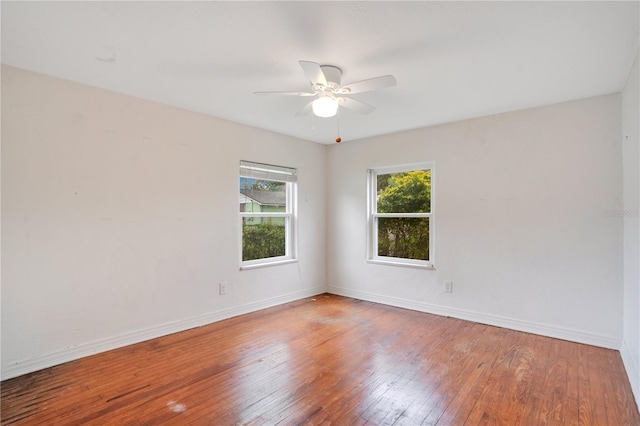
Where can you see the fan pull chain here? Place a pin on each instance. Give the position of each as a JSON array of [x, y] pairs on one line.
[[338, 138]]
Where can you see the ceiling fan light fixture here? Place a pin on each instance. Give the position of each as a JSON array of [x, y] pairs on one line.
[[325, 107]]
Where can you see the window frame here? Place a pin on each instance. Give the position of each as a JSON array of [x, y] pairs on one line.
[[288, 176], [373, 216]]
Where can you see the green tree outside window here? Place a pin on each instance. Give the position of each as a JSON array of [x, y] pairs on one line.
[[397, 194]]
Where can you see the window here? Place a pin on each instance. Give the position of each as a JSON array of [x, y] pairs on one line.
[[401, 215], [267, 213]]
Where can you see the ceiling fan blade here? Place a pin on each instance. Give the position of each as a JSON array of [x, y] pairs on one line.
[[286, 93], [313, 72], [368, 85], [305, 109], [355, 105]]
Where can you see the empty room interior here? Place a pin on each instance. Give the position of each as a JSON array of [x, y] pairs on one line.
[[320, 213]]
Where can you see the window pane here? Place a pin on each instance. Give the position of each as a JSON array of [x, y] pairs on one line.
[[406, 238], [408, 192], [262, 196], [263, 237]]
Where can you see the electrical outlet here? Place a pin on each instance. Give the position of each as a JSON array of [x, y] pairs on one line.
[[448, 286], [223, 288]]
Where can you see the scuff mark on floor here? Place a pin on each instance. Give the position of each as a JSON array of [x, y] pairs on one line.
[[175, 407]]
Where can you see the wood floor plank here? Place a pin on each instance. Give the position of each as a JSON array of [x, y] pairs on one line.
[[487, 408], [336, 361], [472, 386], [377, 383], [551, 410], [338, 368]]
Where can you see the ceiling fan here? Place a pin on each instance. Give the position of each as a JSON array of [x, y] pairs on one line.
[[330, 95]]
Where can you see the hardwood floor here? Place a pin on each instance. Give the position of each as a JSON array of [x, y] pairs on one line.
[[332, 360]]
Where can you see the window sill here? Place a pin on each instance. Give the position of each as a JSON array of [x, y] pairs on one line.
[[401, 263], [267, 263]]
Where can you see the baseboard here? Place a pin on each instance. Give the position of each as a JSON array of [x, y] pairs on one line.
[[91, 348], [631, 365], [495, 320]]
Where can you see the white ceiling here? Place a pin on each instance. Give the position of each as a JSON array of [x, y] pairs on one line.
[[452, 60]]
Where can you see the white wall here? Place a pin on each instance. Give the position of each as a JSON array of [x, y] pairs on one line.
[[119, 220], [521, 202], [631, 190]]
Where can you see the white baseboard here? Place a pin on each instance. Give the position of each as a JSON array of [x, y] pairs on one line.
[[91, 348], [633, 371], [495, 320]]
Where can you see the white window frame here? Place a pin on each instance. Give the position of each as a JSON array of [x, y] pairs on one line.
[[373, 215], [287, 175]]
